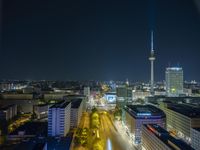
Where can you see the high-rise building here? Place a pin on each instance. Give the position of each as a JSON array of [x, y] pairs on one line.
[[152, 59], [59, 119], [155, 137], [76, 112], [174, 81], [137, 115]]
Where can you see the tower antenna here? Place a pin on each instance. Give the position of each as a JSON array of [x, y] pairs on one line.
[[152, 40]]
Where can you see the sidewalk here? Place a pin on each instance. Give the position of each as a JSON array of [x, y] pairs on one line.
[[122, 132]]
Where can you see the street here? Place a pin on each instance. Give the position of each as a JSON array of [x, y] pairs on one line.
[[112, 139]]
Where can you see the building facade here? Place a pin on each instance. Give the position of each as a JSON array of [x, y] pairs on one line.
[[195, 138], [59, 119], [8, 112], [76, 112], [181, 118], [155, 137], [137, 115], [174, 81], [86, 91], [41, 111], [123, 96]]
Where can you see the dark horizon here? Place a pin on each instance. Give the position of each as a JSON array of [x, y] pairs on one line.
[[98, 40]]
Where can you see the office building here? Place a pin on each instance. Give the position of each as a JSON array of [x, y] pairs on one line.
[[76, 112], [195, 138], [137, 115], [155, 137], [123, 96], [181, 118], [174, 81], [59, 119]]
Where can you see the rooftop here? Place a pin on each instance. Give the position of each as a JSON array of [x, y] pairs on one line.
[[32, 128], [75, 103], [110, 93], [61, 104], [144, 110], [166, 138], [187, 110], [174, 68], [6, 107], [198, 129], [41, 105]]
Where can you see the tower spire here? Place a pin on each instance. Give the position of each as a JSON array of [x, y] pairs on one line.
[[152, 48]]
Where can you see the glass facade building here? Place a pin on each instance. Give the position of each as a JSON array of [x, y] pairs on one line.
[[174, 81]]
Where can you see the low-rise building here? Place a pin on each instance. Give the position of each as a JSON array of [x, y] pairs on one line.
[[8, 112], [54, 96], [181, 118], [14, 96], [137, 115], [29, 130], [140, 94], [195, 138], [41, 111], [155, 137]]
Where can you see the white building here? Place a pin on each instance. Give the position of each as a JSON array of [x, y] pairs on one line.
[[86, 91], [59, 119], [195, 136], [76, 112], [174, 81]]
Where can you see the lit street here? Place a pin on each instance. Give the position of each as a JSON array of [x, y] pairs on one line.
[[112, 138], [84, 123]]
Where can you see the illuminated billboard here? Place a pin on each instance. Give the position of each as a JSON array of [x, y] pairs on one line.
[[110, 97]]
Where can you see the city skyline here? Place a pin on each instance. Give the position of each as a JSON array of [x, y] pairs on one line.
[[98, 40]]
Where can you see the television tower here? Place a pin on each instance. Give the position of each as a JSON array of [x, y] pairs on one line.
[[152, 58]]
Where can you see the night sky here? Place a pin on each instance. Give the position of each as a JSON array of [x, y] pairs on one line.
[[98, 39]]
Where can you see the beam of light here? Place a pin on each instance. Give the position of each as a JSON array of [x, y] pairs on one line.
[[152, 14], [197, 3], [109, 144]]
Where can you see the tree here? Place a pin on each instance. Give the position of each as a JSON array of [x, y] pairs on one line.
[[94, 110]]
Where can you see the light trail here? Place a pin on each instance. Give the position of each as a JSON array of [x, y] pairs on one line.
[[109, 144]]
